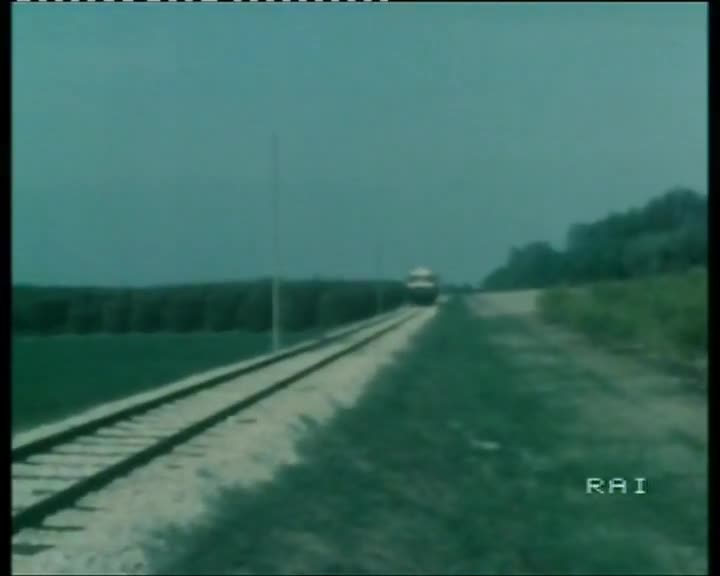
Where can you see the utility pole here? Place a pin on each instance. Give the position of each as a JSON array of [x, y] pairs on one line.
[[379, 263], [275, 253], [378, 275], [378, 290]]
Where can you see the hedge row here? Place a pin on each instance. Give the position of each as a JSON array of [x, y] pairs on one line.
[[214, 307]]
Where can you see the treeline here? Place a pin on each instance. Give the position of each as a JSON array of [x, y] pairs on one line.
[[669, 234], [304, 305]]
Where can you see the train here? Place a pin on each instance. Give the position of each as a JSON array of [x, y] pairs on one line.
[[422, 287]]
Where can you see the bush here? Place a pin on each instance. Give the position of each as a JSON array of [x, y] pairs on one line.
[[668, 314]]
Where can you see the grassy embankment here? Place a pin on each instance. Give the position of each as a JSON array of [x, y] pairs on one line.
[[665, 315], [459, 460], [57, 376]]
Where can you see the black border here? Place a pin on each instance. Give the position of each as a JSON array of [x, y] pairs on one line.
[[711, 397]]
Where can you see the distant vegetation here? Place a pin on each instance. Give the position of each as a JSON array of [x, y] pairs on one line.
[[212, 307], [637, 278], [669, 234]]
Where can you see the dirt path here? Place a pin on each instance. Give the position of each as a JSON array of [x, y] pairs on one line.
[[656, 419], [668, 404], [516, 303]]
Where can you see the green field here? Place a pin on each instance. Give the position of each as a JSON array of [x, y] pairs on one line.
[[468, 457], [56, 376], [667, 315]]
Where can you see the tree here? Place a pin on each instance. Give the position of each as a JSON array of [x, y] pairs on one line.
[[147, 313], [116, 314], [329, 308], [668, 234], [85, 314], [49, 314], [221, 311], [257, 308], [184, 313]]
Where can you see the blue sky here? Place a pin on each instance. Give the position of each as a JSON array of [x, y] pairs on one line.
[[446, 134]]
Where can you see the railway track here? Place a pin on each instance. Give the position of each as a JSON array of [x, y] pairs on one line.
[[52, 472]]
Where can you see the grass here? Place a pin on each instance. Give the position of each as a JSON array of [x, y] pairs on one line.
[[402, 484], [53, 377], [667, 315]]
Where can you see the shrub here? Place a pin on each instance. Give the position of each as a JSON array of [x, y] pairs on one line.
[[668, 314]]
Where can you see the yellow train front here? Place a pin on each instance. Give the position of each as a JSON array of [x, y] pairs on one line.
[[422, 287]]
